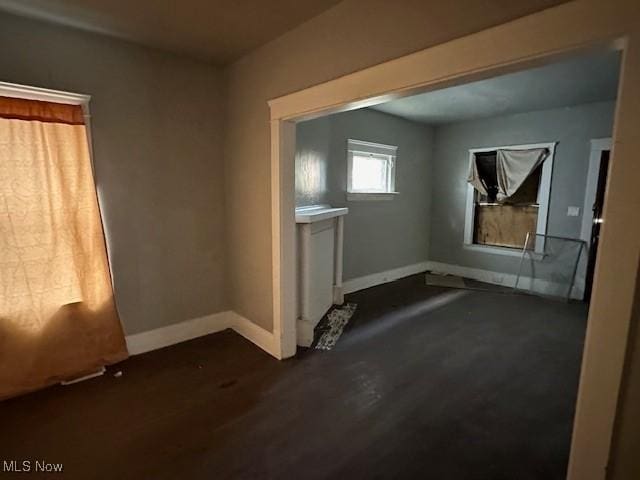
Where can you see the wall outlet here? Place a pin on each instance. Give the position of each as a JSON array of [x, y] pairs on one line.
[[573, 211]]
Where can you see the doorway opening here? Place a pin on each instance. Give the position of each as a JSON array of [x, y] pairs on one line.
[[594, 205], [466, 198], [341, 96]]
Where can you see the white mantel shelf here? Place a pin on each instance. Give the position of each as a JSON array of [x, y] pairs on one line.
[[317, 213]]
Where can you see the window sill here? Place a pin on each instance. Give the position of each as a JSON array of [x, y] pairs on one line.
[[371, 196], [510, 252]]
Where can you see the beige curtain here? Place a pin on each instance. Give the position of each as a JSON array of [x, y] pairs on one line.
[[57, 314], [474, 178], [513, 167]]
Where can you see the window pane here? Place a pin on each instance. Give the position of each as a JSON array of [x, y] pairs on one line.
[[486, 165], [369, 174]]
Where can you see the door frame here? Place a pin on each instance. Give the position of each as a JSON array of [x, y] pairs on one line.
[[533, 40], [598, 145]]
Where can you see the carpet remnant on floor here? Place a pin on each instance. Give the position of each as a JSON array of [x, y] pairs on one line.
[[337, 319]]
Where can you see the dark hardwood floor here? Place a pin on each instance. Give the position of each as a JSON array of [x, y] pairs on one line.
[[425, 383]]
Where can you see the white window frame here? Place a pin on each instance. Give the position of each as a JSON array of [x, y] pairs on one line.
[[390, 152], [544, 196], [27, 92]]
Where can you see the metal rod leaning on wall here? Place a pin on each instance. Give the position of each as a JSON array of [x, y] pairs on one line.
[[525, 250]]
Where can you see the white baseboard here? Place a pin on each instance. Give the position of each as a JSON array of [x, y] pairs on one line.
[[176, 333], [198, 327], [98, 373], [304, 332], [180, 332], [379, 278], [507, 279], [487, 276], [264, 339]]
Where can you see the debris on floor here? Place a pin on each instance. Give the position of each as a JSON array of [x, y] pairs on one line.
[[336, 321], [443, 280]]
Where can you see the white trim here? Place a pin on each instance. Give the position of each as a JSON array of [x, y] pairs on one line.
[[178, 332], [371, 147], [283, 237], [542, 287], [318, 213], [597, 147], [544, 191], [255, 334], [494, 250], [368, 281], [55, 96], [42, 94], [469, 211], [89, 376], [544, 195], [488, 276], [370, 196], [520, 146], [198, 327], [338, 262], [304, 332]]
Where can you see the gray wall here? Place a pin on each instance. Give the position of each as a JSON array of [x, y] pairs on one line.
[[426, 221], [313, 144], [158, 163], [379, 235], [572, 128]]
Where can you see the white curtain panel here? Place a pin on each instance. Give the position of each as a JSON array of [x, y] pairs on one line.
[[474, 178], [514, 166]]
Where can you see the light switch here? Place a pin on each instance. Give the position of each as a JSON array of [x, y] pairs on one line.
[[573, 211]]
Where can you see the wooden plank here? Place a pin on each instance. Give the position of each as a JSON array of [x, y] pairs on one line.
[[504, 225]]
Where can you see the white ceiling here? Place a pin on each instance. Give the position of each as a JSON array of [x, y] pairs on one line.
[[585, 79], [214, 30]]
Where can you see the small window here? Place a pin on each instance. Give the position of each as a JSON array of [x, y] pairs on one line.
[[371, 169]]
